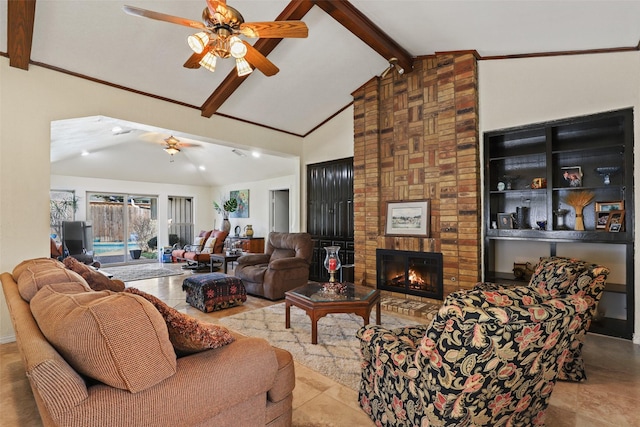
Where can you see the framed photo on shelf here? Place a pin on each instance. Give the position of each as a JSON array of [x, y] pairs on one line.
[[571, 176], [602, 212], [505, 221], [408, 218], [602, 217], [615, 223], [610, 206]]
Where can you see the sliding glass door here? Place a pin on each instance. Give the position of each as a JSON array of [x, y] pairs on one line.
[[123, 227]]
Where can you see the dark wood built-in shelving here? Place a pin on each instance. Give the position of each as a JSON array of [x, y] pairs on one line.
[[516, 156]]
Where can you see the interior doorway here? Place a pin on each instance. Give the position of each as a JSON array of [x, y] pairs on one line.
[[279, 211]]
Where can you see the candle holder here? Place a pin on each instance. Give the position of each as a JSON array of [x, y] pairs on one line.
[[332, 262], [560, 223]]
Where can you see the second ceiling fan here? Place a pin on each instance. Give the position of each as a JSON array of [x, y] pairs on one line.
[[221, 28]]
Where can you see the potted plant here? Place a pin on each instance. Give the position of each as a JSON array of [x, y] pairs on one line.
[[143, 227], [62, 209], [225, 207]]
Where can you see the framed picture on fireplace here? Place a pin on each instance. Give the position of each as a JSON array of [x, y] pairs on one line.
[[408, 218]]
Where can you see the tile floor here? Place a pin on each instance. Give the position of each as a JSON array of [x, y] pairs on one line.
[[610, 396]]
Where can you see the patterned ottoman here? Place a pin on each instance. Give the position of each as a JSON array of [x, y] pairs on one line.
[[214, 291]]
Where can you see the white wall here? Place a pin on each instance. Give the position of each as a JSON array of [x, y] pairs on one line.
[[31, 100], [259, 203], [530, 90], [331, 141]]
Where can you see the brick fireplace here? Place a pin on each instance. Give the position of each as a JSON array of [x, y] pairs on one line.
[[410, 272], [416, 137]]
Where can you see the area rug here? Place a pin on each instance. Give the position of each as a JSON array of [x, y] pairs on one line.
[[337, 354], [130, 273]]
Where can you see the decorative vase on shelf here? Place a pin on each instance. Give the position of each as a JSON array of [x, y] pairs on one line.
[[225, 208], [332, 262], [248, 230]]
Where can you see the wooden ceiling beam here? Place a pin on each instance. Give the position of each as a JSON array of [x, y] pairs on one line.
[[20, 17], [363, 28], [295, 10]]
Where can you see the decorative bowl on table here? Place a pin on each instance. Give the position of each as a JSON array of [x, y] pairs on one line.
[[334, 287]]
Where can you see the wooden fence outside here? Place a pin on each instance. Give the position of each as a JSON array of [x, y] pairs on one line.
[[108, 222]]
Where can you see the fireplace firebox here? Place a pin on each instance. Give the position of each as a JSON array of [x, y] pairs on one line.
[[408, 272]]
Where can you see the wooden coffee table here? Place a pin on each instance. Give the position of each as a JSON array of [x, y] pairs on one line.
[[317, 303], [224, 259]]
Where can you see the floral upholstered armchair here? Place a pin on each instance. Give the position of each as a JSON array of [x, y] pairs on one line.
[[559, 276], [488, 358]]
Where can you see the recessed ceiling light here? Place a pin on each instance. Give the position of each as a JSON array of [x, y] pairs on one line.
[[202, 168], [255, 154], [84, 153]]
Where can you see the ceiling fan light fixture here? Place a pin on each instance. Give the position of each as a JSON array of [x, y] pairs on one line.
[[237, 48], [197, 42], [172, 150], [172, 145], [243, 67], [209, 62], [172, 140], [221, 47]]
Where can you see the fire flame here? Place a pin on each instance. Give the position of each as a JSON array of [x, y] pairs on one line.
[[415, 278]]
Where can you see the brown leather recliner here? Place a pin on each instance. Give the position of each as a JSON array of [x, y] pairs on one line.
[[283, 266]]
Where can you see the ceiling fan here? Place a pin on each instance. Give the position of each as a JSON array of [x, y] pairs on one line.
[[221, 28], [172, 145]]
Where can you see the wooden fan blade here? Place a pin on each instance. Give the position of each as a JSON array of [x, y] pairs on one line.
[[194, 60], [258, 60], [275, 30], [217, 6], [136, 11]]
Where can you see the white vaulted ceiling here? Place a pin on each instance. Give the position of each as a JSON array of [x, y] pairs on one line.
[[96, 39]]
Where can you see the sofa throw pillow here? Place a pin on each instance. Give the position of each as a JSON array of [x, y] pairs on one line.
[[37, 276], [20, 268], [119, 339], [55, 248], [197, 244], [220, 236], [188, 335], [209, 245], [96, 281]]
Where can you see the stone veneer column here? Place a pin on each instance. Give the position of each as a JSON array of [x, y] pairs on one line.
[[416, 137]]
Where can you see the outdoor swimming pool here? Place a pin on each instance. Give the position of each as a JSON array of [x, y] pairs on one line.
[[112, 248]]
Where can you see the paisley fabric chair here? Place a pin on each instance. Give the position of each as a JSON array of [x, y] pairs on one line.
[[488, 358], [559, 276]]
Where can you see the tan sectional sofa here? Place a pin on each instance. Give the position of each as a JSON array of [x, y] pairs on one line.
[[245, 383]]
